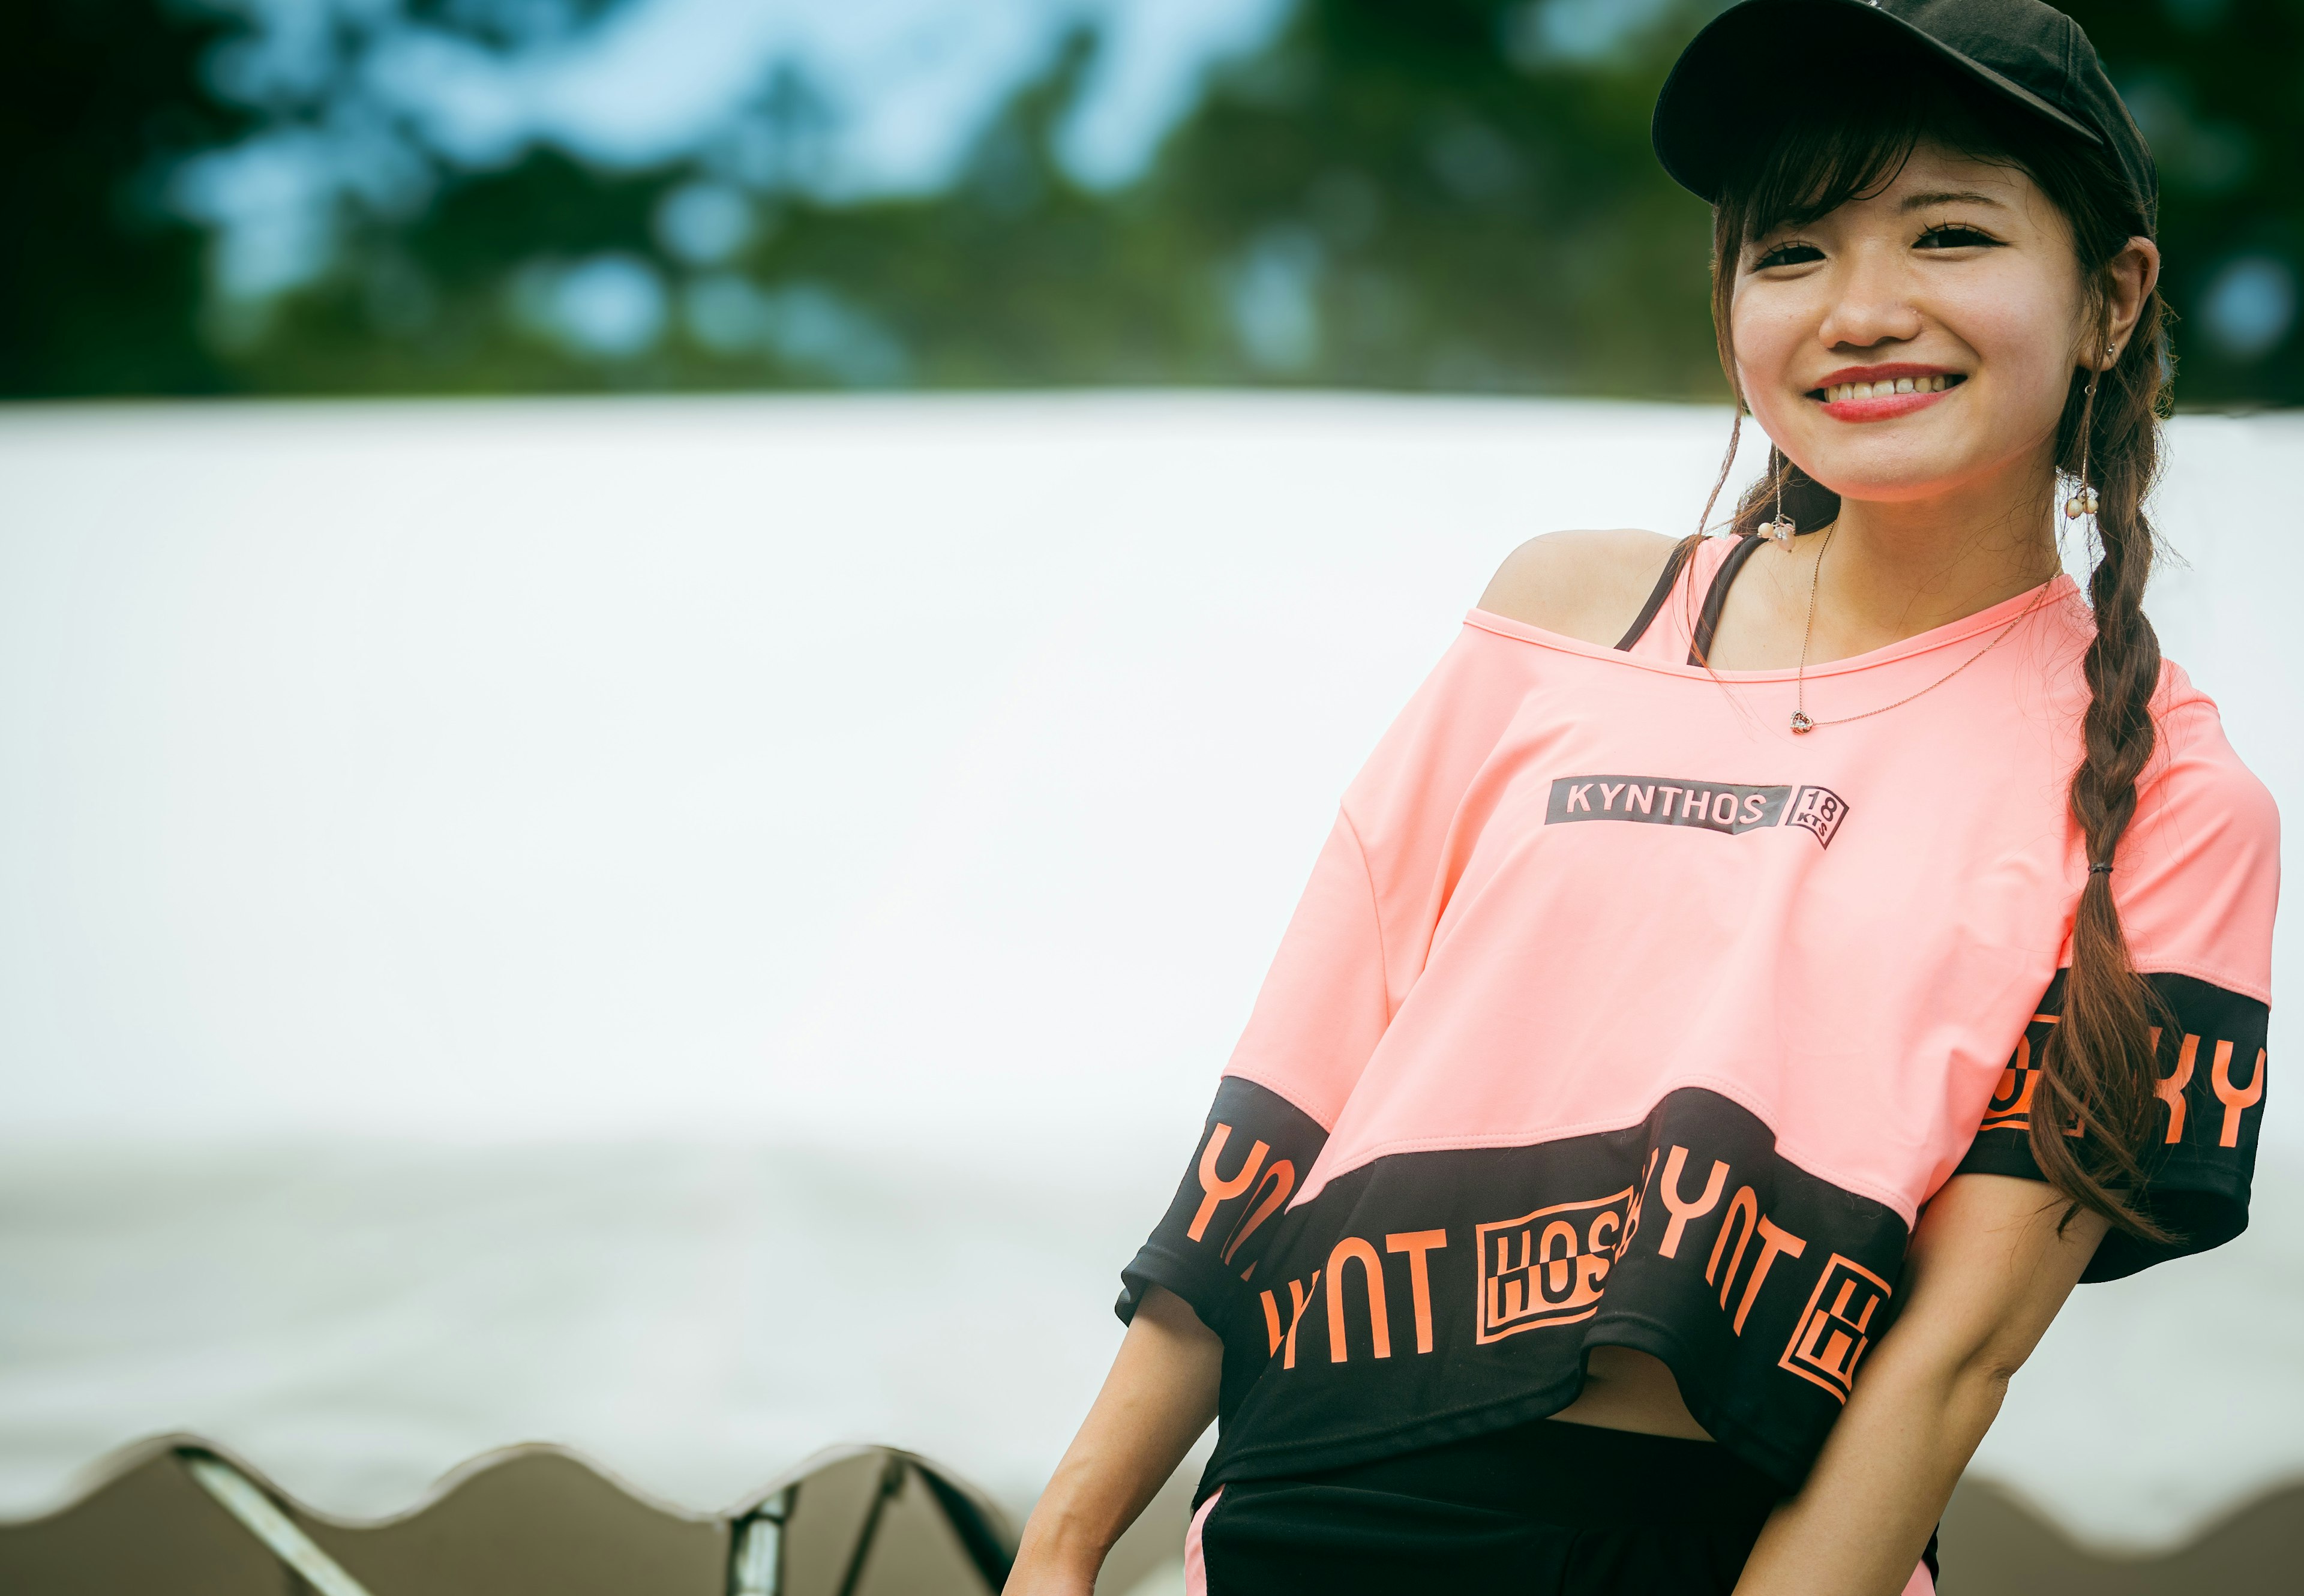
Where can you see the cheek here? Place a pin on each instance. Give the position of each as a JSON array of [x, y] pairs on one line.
[[1767, 338], [2025, 352]]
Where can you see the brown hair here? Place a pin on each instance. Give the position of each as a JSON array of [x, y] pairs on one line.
[[2098, 1073]]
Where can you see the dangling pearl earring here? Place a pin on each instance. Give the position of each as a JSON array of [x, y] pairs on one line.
[[2083, 503], [1781, 530]]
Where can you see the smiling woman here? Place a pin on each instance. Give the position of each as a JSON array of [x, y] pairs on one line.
[[1723, 1029]]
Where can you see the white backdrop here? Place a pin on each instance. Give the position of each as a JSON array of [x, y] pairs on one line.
[[922, 783]]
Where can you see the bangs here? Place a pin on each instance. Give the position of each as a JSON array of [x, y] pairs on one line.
[[1821, 159], [1817, 157]]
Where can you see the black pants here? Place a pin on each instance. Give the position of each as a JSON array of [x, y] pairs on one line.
[[1545, 1509]]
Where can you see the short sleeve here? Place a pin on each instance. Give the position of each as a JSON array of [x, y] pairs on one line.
[[1253, 1155], [1322, 1010], [2211, 1063], [1326, 1001], [1352, 950], [2197, 879]]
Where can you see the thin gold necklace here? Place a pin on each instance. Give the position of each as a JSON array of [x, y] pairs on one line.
[[1803, 724]]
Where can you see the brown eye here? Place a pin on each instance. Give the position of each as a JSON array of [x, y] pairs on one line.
[[1788, 254], [1954, 236]]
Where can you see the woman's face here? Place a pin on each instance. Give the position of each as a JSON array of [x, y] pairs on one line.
[[1918, 340]]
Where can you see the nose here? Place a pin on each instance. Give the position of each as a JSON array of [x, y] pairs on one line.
[[1872, 302]]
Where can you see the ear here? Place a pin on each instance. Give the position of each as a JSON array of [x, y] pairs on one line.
[[2129, 281]]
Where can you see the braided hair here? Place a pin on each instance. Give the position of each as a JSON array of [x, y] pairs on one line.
[[2090, 1113]]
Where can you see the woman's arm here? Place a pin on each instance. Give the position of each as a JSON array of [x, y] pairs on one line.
[[1987, 1275], [1159, 1396]]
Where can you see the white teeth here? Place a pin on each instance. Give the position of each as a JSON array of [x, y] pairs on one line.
[[1882, 389]]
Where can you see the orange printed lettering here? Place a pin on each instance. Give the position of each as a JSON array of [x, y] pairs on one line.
[[2234, 1100], [1416, 1244], [1682, 1211], [1271, 1322], [1836, 1326], [1744, 1207], [1297, 1302], [1537, 1272], [2010, 1108], [1557, 1251], [1639, 1195], [1278, 1182], [1602, 1236], [2170, 1090], [1350, 1249], [1773, 1241], [1219, 1191]]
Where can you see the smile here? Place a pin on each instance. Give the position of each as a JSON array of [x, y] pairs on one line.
[[1883, 392]]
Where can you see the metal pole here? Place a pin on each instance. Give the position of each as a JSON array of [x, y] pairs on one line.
[[756, 1560], [891, 1480], [265, 1522]]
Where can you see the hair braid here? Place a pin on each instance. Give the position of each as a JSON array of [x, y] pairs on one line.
[[2091, 1113], [2091, 1110]]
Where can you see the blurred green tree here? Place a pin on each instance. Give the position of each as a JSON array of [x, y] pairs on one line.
[[1451, 195], [99, 289], [2217, 86]]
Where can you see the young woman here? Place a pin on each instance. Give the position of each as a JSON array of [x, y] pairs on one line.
[[1757, 977]]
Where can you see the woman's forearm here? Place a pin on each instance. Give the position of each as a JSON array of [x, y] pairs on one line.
[[1159, 1398], [1991, 1262], [1858, 1525]]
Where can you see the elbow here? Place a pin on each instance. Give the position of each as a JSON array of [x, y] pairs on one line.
[[1976, 1387], [1991, 1360], [1964, 1381], [1979, 1388]]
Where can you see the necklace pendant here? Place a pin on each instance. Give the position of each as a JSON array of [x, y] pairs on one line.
[[1802, 724]]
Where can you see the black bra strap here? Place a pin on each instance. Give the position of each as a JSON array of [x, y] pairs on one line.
[[1672, 567], [1707, 619]]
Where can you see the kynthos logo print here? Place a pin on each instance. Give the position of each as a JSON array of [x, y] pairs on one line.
[[1709, 805], [1546, 1267]]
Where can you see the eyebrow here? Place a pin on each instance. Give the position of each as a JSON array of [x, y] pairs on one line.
[[1950, 197]]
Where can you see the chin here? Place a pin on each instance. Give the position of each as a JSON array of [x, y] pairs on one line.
[[1890, 471], [1897, 488]]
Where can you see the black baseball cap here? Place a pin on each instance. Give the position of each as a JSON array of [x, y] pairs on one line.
[[1733, 83]]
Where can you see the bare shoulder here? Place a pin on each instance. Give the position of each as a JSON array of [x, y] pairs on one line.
[[1587, 585]]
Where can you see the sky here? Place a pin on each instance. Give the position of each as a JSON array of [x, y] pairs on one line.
[[367, 107]]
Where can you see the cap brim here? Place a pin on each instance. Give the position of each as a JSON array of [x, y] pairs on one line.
[[1735, 81]]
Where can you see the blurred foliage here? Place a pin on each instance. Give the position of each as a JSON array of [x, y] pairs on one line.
[[100, 291], [1435, 194]]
